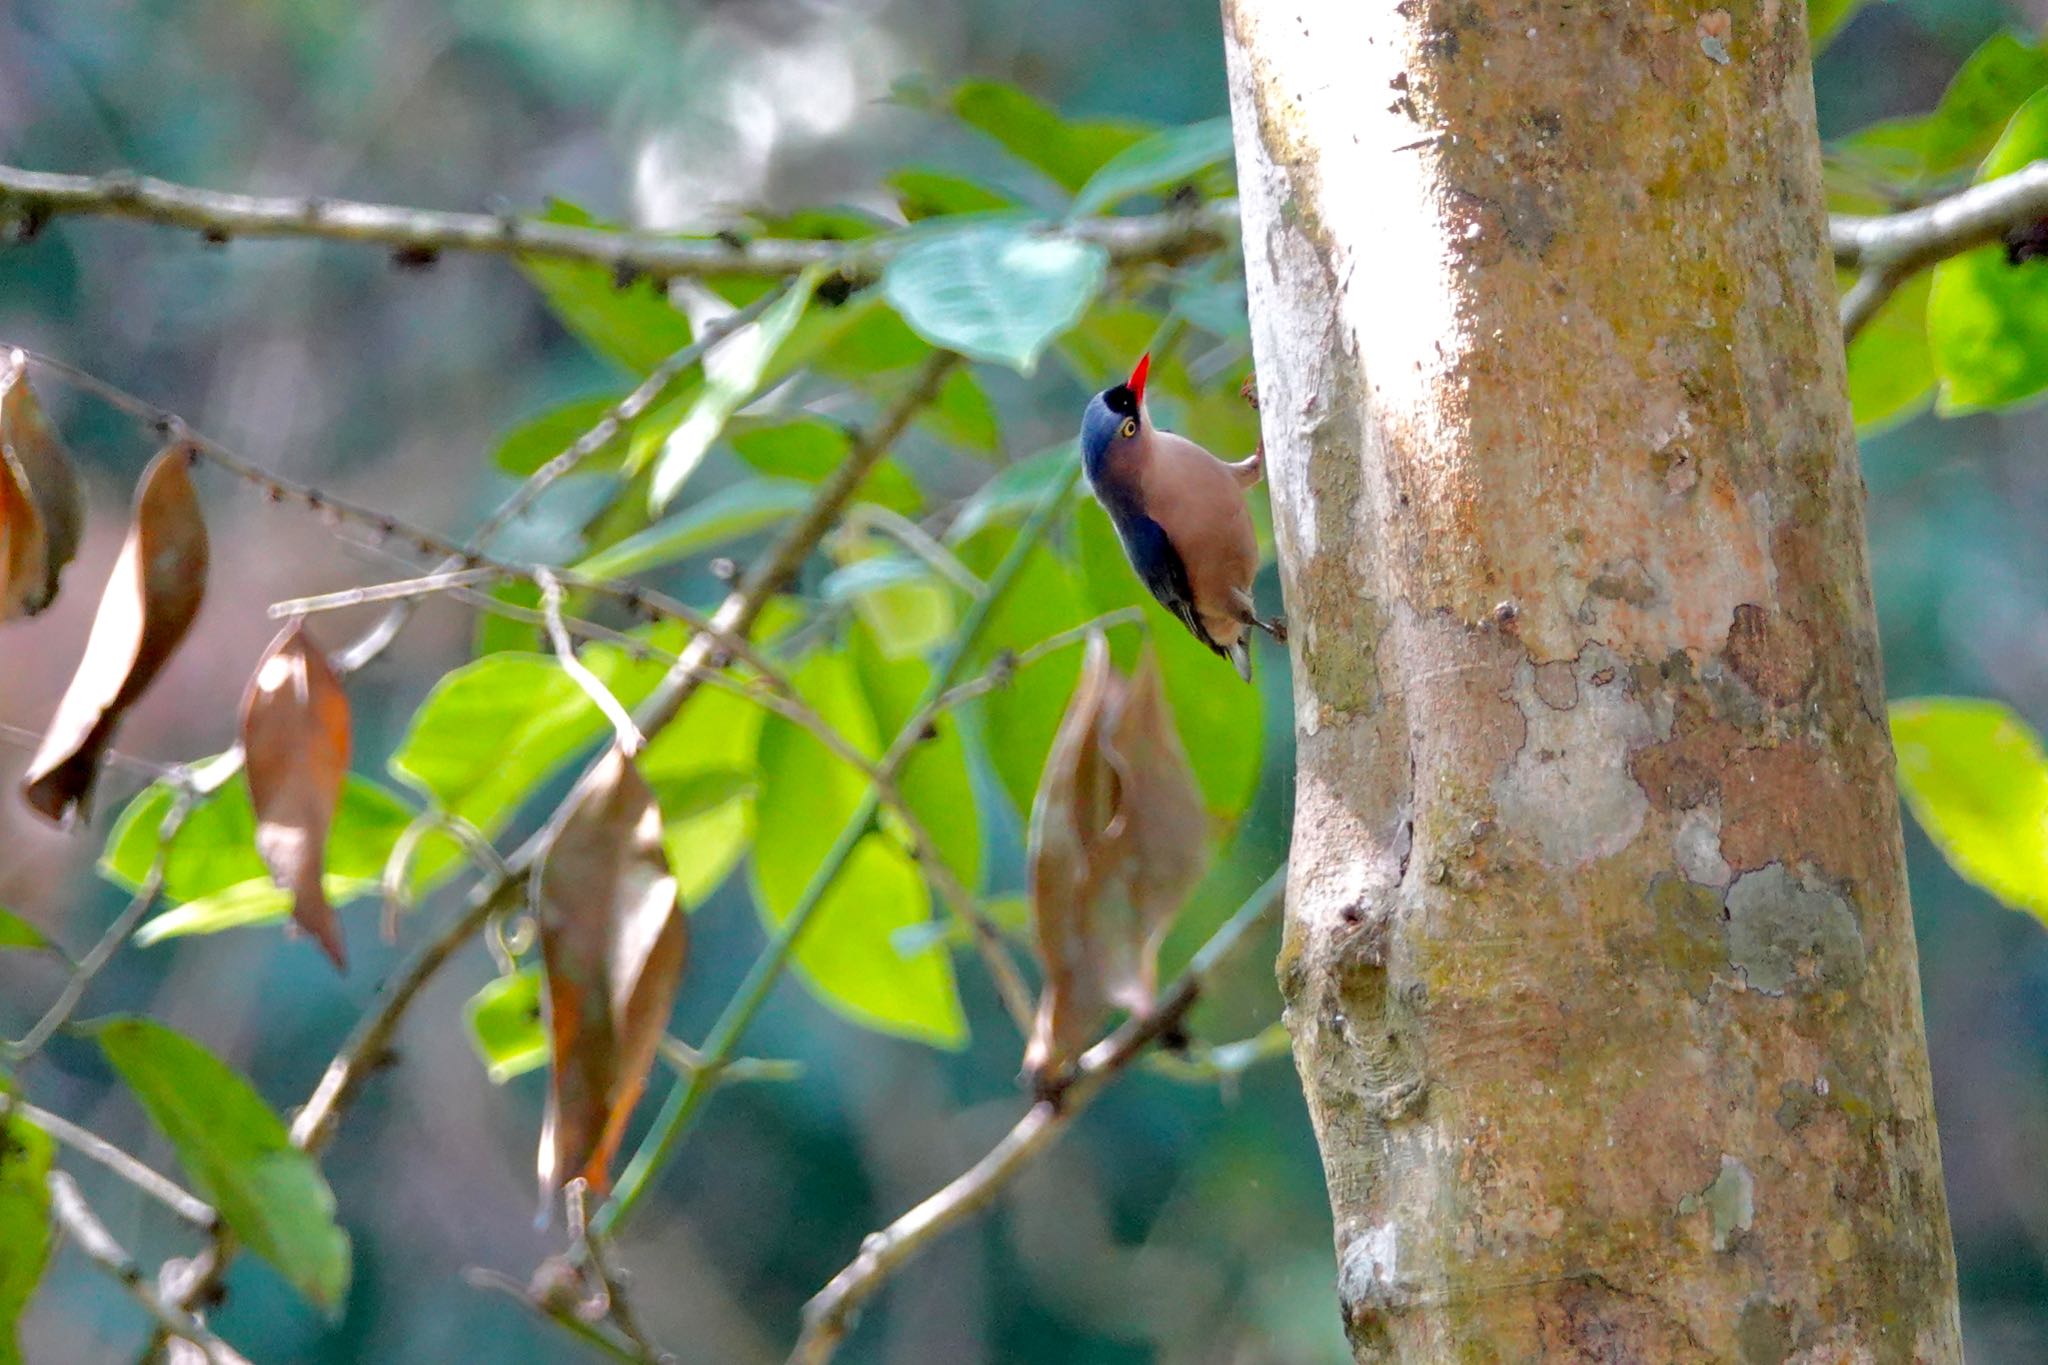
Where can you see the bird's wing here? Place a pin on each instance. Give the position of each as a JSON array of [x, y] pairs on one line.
[[1163, 571]]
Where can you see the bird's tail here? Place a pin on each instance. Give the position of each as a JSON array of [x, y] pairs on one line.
[[1239, 652]]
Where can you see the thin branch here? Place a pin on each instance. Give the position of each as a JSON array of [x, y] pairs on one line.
[[1006, 667], [1223, 1063], [369, 1041], [449, 575], [563, 1315], [21, 737], [92, 1146], [594, 1267], [70, 1212], [36, 196], [110, 942], [831, 1314], [396, 590], [919, 542], [1890, 248], [631, 741], [645, 395]]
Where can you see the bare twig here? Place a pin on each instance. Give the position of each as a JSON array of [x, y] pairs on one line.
[[919, 542], [397, 590], [71, 1213], [645, 395], [630, 739], [829, 1316], [110, 942], [562, 1314], [595, 1268], [22, 737], [421, 233], [91, 1145], [1222, 1063], [1890, 248], [460, 564]]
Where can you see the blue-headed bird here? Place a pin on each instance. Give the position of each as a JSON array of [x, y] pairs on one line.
[[1181, 516]]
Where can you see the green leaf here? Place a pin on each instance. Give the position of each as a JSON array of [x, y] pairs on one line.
[[1987, 321], [1994, 81], [733, 375], [934, 782], [704, 848], [999, 294], [16, 932], [1216, 306], [491, 732], [810, 448], [925, 193], [2005, 72], [861, 338], [216, 847], [1161, 161], [1974, 776], [1109, 341], [1011, 494], [908, 609], [963, 414], [241, 906], [237, 1153], [725, 516], [25, 1239], [505, 1025], [847, 957], [495, 632], [1023, 715], [1824, 18], [704, 768], [539, 439], [1891, 369], [1068, 152], [1219, 718], [634, 325]]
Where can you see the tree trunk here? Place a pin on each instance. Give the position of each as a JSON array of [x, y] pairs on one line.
[[1599, 961]]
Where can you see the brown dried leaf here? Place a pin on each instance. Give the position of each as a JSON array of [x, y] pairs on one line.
[[613, 940], [149, 602], [1164, 838], [40, 513], [1118, 840], [295, 741]]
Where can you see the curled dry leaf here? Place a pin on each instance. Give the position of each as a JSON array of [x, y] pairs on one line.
[[295, 733], [40, 513], [150, 600], [613, 940], [1118, 840]]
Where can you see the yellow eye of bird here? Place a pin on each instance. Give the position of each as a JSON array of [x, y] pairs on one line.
[[1129, 429]]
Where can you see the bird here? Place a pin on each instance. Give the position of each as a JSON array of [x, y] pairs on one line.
[[1181, 516]]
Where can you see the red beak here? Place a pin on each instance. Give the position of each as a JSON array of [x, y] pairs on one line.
[[1137, 383]]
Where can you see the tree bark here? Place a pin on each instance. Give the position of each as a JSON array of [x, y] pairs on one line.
[[1599, 962]]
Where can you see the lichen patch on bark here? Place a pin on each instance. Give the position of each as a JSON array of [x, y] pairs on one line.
[[1787, 934]]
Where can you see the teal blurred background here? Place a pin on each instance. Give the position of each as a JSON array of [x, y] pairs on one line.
[[1177, 1222]]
